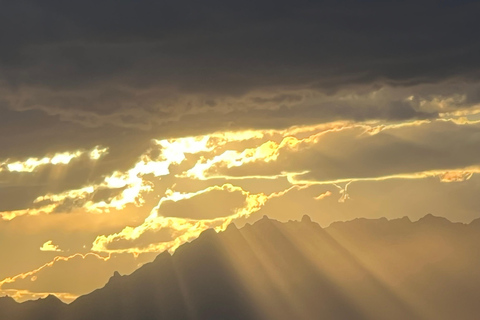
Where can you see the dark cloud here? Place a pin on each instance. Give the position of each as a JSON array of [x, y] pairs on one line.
[[144, 64], [354, 154], [119, 73], [237, 45]]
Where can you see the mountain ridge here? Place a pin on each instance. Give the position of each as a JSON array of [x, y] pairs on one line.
[[294, 269]]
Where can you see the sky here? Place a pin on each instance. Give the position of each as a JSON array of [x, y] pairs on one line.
[[129, 127]]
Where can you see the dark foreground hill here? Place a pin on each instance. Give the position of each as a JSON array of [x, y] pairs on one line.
[[362, 269]]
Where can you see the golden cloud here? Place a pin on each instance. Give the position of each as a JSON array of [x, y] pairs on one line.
[[49, 246], [31, 164]]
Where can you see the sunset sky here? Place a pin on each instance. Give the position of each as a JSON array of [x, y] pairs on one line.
[[129, 127]]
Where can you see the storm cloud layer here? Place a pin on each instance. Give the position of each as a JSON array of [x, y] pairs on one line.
[[147, 63]]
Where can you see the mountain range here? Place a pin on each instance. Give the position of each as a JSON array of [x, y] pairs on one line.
[[357, 270]]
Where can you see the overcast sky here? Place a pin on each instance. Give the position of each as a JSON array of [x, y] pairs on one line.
[[128, 127]]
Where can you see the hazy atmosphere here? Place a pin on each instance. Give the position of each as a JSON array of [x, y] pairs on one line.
[[127, 128]]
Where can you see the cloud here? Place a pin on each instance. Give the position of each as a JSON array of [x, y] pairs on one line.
[[457, 176], [49, 246], [344, 196], [311, 62], [366, 151], [64, 158], [184, 229], [323, 195], [233, 47], [210, 205], [333, 153], [49, 264], [122, 188]]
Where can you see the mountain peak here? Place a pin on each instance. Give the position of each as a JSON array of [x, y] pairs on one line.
[[232, 226], [210, 232], [115, 277], [7, 298], [265, 222], [306, 219], [430, 218], [52, 298], [405, 218]]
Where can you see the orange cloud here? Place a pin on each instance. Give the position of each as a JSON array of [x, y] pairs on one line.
[[31, 273], [211, 153], [323, 195], [185, 229], [456, 176], [49, 246], [31, 164]]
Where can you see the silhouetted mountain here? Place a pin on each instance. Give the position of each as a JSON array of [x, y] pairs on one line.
[[43, 309], [361, 269]]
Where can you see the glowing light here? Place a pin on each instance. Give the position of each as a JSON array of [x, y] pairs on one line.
[[31, 164], [49, 246], [210, 153], [206, 155], [323, 195], [186, 229], [9, 215], [343, 192], [456, 176], [31, 273], [97, 153], [447, 175]]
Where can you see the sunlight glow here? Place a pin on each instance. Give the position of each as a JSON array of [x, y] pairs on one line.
[[201, 162], [49, 246], [32, 164]]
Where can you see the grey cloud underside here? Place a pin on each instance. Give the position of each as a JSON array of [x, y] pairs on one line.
[[216, 45], [353, 154], [142, 65]]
